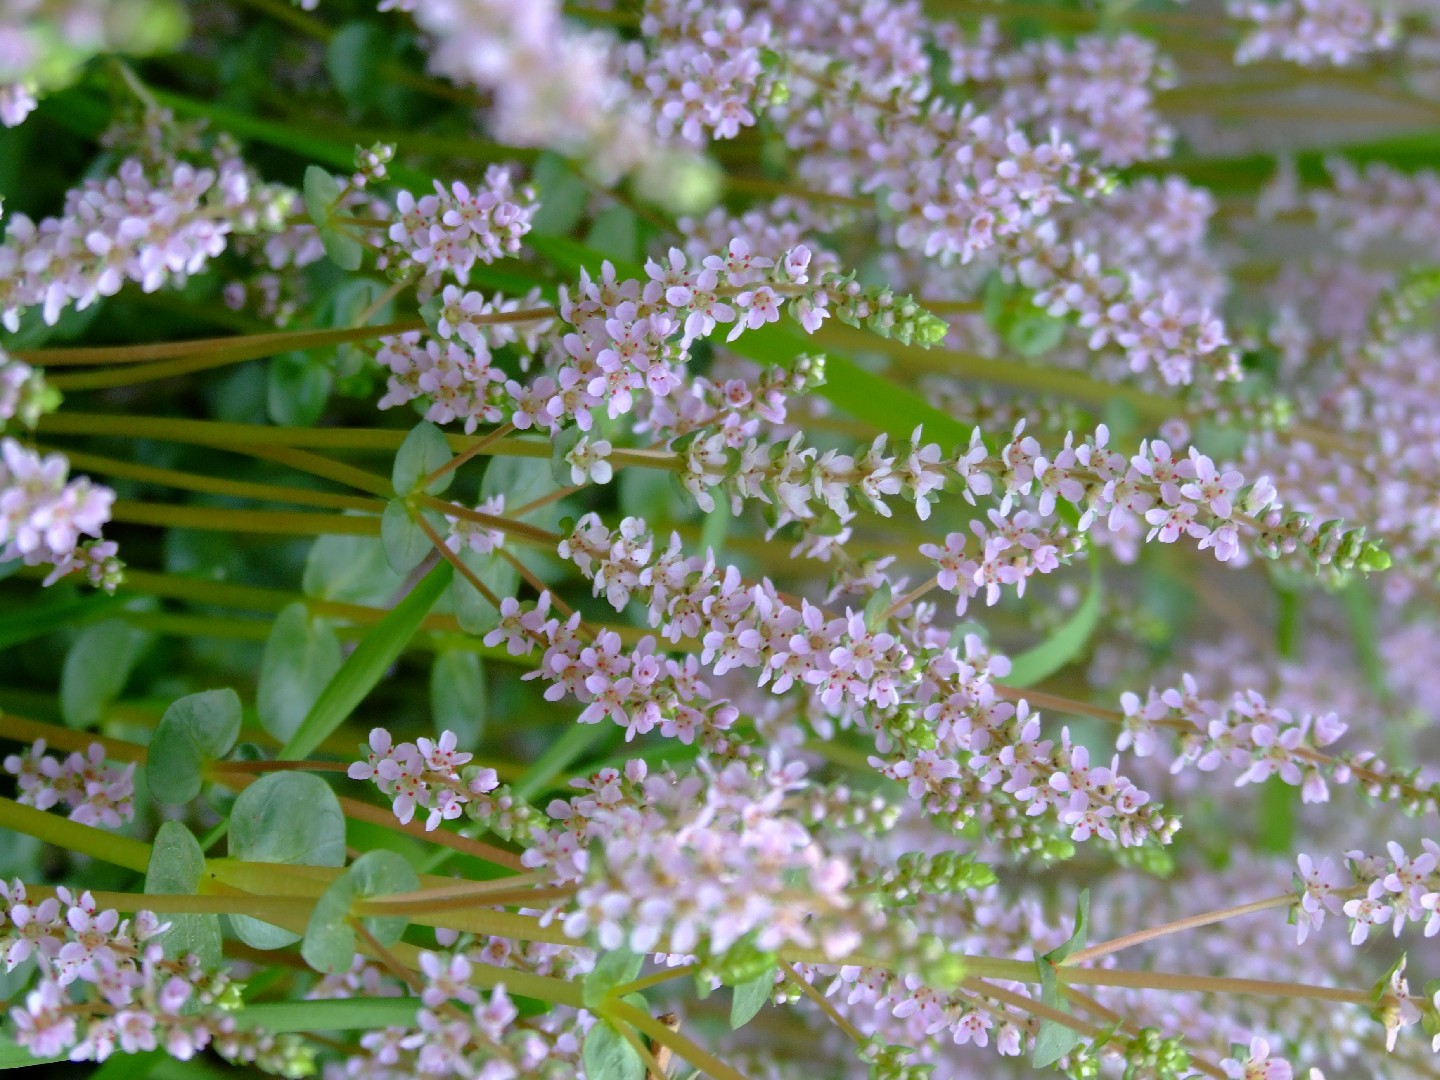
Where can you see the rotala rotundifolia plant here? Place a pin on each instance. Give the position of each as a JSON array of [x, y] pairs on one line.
[[755, 539]]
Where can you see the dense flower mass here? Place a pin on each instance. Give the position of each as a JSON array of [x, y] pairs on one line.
[[762, 539]]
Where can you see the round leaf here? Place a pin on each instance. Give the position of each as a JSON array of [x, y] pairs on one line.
[[608, 1055], [457, 695], [329, 945], [475, 613], [285, 817], [195, 729], [96, 669], [405, 543], [424, 450], [351, 569], [301, 655], [297, 389], [176, 866]]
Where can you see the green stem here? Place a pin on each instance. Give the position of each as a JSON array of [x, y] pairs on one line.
[[1022, 376], [273, 522], [655, 979], [691, 1051], [212, 485], [232, 349], [72, 836], [985, 967]]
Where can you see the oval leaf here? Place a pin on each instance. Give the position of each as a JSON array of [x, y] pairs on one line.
[[96, 670], [608, 1055], [330, 940], [176, 866], [474, 612], [749, 997], [1065, 645], [405, 543], [301, 656], [286, 817], [195, 729], [351, 569], [424, 450], [457, 695]]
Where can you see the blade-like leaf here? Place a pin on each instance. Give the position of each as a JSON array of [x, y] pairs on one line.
[[367, 664]]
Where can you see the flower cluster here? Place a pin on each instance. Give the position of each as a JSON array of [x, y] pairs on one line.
[[47, 42], [94, 792], [1100, 92], [149, 223], [938, 724], [455, 373], [714, 856], [23, 393], [1314, 33], [460, 1032], [424, 775], [43, 516], [550, 84], [706, 70], [1249, 735], [448, 233], [107, 987], [617, 339], [1371, 891]]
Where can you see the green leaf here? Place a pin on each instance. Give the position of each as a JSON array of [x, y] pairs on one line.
[[1034, 333], [1277, 817], [344, 250], [194, 730], [563, 196], [475, 613], [351, 569], [15, 1056], [717, 524], [614, 968], [347, 1014], [176, 866], [353, 58], [405, 543], [1063, 646], [96, 670], [329, 943], [877, 605], [424, 450], [457, 695], [1054, 1040], [322, 194], [608, 1055], [520, 479], [615, 233], [301, 656], [881, 403], [32, 622], [285, 817], [1359, 609], [364, 667], [297, 389], [569, 256], [749, 997], [122, 1066], [1076, 941]]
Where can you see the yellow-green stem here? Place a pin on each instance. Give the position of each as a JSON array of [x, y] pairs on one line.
[[213, 485], [71, 835], [274, 522]]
